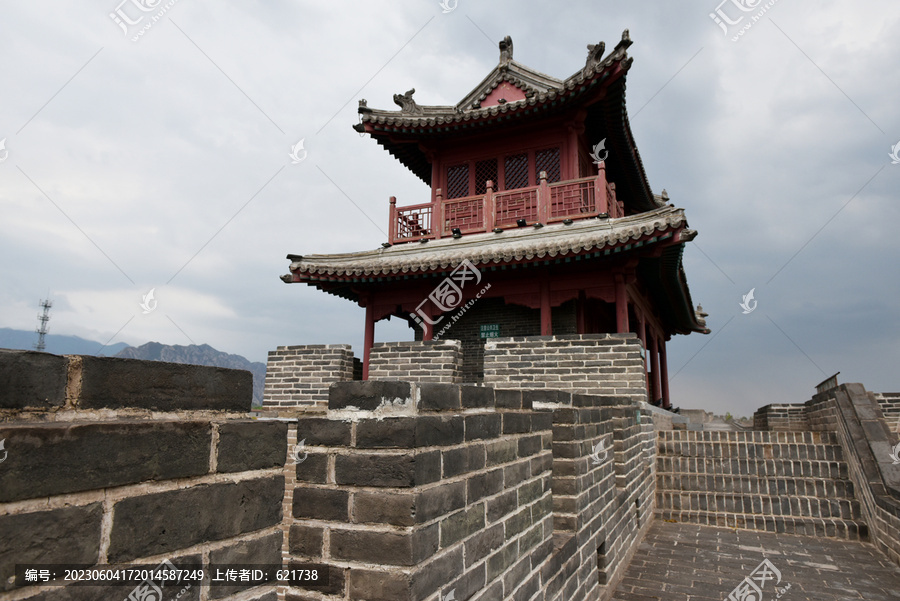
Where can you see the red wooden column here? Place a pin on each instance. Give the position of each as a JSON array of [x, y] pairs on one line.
[[579, 313], [437, 214], [392, 225], [369, 337], [488, 205], [642, 334], [600, 195], [543, 198], [654, 372], [664, 373], [429, 327], [621, 304], [546, 313]]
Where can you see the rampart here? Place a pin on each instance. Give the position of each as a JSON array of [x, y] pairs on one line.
[[867, 441], [399, 488], [118, 461]]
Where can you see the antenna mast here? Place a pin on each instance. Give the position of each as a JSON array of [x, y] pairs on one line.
[[42, 330]]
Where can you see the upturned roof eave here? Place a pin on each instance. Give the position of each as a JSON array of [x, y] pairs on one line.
[[539, 85], [510, 245]]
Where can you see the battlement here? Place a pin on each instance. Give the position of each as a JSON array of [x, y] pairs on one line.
[[408, 488]]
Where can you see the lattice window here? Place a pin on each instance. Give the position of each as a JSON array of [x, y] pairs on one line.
[[515, 171], [457, 181], [547, 160], [485, 170]]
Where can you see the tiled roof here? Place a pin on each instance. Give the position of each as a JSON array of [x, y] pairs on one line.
[[538, 87], [512, 245]]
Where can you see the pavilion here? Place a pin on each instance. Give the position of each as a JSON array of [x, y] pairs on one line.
[[541, 220]]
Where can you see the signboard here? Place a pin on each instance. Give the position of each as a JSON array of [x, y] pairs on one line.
[[490, 330]]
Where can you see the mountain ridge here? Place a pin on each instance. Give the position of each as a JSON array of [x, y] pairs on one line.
[[58, 344]]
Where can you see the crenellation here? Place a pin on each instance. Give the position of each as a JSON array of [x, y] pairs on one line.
[[410, 490]]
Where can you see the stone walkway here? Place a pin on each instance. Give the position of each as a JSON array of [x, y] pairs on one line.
[[687, 562]]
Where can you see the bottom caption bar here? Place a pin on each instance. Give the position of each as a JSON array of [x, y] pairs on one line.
[[167, 574]]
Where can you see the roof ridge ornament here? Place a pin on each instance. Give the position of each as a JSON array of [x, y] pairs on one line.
[[407, 104], [595, 55], [623, 44], [701, 316], [506, 50]]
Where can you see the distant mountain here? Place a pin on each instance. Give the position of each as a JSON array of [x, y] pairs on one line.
[[199, 355], [57, 343]]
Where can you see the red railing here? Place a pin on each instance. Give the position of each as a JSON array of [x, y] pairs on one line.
[[545, 203], [467, 214], [516, 204]]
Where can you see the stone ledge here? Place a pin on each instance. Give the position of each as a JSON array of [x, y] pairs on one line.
[[109, 383], [78, 457], [30, 380]]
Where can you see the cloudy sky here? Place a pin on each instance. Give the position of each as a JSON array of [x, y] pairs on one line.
[[161, 161]]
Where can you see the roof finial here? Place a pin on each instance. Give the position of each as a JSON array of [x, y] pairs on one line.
[[595, 54], [701, 316], [406, 102], [506, 50]]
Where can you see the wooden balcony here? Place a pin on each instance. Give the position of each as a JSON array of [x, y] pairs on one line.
[[544, 203]]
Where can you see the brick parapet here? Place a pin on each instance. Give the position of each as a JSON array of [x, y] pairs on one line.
[[890, 408], [785, 417], [415, 491], [41, 386], [131, 485], [855, 416], [867, 442], [593, 364], [298, 377], [433, 361]]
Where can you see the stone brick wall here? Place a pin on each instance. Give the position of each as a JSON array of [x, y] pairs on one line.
[[867, 442], [790, 482], [402, 491], [118, 461], [821, 414], [414, 492], [603, 486], [514, 320], [600, 364], [298, 377], [866, 439], [890, 407], [788, 418], [435, 361]]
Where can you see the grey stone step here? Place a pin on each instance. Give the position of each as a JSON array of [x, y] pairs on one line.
[[747, 437], [751, 450], [790, 468], [755, 504], [727, 483], [818, 527]]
